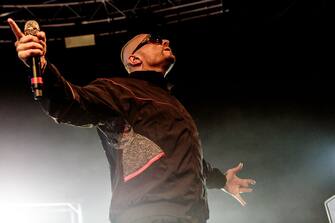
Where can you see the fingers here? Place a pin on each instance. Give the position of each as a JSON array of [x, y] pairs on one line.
[[41, 35], [15, 28], [245, 190], [251, 181], [237, 195], [240, 199], [43, 39], [29, 53], [30, 38], [27, 42], [28, 45], [247, 182], [236, 186]]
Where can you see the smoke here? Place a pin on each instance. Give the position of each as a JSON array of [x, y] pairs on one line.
[[43, 162], [288, 150]]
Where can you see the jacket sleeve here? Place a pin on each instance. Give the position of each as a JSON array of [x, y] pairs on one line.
[[215, 179], [82, 106]]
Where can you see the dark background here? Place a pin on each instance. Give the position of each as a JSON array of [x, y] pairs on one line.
[[258, 82]]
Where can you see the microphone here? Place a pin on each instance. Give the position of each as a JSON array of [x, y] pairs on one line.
[[31, 28]]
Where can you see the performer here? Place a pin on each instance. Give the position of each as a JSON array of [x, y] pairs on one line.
[[151, 142]]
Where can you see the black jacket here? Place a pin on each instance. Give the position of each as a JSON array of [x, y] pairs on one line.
[[151, 142]]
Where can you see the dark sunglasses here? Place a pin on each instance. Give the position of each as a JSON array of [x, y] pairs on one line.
[[151, 38]]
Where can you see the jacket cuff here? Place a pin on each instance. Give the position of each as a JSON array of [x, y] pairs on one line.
[[216, 179]]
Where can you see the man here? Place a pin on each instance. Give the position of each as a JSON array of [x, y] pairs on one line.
[[157, 168]]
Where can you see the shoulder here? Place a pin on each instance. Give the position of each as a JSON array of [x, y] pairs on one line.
[[111, 80], [126, 82]]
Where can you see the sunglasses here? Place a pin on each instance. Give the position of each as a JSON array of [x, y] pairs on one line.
[[151, 38]]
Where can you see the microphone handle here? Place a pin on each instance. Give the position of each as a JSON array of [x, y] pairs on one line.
[[36, 79]]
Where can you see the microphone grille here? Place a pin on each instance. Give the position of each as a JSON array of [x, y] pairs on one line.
[[31, 28]]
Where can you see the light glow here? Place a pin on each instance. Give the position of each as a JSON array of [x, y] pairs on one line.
[[41, 213]]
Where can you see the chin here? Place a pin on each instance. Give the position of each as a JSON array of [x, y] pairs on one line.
[[171, 58], [168, 66]]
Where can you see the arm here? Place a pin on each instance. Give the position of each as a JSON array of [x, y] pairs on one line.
[[228, 182], [215, 179], [65, 102], [58, 100], [71, 104]]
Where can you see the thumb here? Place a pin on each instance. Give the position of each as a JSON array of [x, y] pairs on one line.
[[237, 168]]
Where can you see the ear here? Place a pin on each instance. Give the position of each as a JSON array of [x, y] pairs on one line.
[[134, 60]]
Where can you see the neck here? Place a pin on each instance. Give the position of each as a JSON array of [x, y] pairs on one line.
[[156, 69]]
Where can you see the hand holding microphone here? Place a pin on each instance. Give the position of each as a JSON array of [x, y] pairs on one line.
[[31, 49]]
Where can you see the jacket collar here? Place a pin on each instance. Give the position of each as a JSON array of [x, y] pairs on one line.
[[154, 77]]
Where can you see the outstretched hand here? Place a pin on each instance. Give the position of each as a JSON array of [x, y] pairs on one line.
[[235, 186]]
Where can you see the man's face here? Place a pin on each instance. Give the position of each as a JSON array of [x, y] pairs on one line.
[[153, 51]]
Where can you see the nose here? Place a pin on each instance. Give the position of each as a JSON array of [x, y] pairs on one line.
[[165, 42]]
